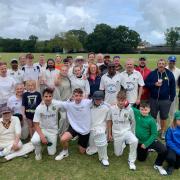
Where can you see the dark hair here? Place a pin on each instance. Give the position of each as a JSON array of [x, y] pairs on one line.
[[48, 91], [78, 91], [69, 57], [50, 59], [145, 104], [66, 60], [29, 56], [91, 53]]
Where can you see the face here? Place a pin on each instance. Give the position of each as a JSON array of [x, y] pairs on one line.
[[144, 111], [112, 70], [3, 70], [77, 71], [116, 61], [64, 71], [47, 97], [29, 61], [22, 61], [142, 63], [121, 102], [93, 69], [78, 98], [19, 90], [172, 65], [6, 116], [129, 65], [99, 58], [98, 101], [80, 61], [31, 86], [14, 65], [42, 60], [161, 65], [107, 60], [91, 58], [70, 60], [58, 60], [50, 64]]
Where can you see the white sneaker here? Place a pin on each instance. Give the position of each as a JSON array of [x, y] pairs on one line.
[[38, 157], [132, 166], [161, 170], [91, 150], [105, 162], [62, 155]]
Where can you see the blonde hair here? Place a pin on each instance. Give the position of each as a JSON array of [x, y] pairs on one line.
[[33, 82]]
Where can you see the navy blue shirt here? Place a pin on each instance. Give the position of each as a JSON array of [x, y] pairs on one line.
[[168, 89], [94, 84]]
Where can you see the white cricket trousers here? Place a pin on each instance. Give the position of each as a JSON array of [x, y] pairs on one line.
[[126, 138], [51, 137]]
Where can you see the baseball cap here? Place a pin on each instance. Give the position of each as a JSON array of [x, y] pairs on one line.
[[5, 110], [177, 115], [98, 95], [172, 58]]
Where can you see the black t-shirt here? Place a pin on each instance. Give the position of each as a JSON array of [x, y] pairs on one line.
[[30, 101]]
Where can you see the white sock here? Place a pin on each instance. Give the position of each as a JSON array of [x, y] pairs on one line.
[[37, 149], [102, 152]]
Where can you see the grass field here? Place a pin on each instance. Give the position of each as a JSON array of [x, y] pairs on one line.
[[82, 167]]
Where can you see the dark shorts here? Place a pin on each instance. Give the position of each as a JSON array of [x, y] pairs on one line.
[[161, 106], [82, 139]]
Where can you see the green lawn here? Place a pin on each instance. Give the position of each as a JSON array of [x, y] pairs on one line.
[[81, 167], [78, 166], [152, 58]]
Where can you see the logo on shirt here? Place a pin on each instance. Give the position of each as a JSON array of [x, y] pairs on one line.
[[130, 86], [111, 88]]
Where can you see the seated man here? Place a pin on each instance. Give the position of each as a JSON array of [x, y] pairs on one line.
[[10, 132]]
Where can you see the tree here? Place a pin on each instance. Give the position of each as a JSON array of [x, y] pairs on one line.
[[172, 36]]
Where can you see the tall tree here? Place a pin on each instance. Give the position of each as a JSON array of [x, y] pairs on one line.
[[172, 35]]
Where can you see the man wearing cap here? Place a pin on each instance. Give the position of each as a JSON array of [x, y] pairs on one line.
[[145, 71], [15, 73], [116, 61], [104, 68], [162, 87], [133, 82], [10, 132], [7, 85], [111, 84], [176, 72], [99, 121]]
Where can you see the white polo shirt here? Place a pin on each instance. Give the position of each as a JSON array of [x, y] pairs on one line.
[[176, 73], [99, 118], [31, 72], [47, 117], [122, 120], [7, 88], [132, 82], [79, 115], [7, 136], [49, 76], [111, 86], [15, 104], [18, 75], [80, 83]]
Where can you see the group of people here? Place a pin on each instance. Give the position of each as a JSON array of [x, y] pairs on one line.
[[95, 100]]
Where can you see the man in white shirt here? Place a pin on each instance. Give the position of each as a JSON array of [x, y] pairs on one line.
[[176, 72], [7, 85], [10, 132], [133, 82], [41, 63], [46, 124], [79, 116], [111, 84], [15, 73]]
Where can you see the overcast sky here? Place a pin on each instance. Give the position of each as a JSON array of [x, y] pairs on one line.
[[45, 18]]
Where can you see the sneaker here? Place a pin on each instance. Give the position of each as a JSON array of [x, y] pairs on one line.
[[163, 135], [38, 157], [105, 162], [63, 154], [170, 170], [161, 170], [91, 150], [132, 166]]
